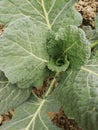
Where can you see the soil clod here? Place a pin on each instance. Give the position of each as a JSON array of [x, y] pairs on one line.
[[88, 10], [61, 120]]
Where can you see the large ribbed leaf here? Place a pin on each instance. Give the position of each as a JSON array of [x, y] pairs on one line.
[[10, 95], [23, 53], [78, 93], [32, 116], [50, 13], [67, 47]]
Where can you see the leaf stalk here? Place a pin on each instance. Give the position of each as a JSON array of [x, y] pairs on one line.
[[46, 15], [52, 83], [93, 44]]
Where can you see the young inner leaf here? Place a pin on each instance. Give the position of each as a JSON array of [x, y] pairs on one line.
[[60, 61]]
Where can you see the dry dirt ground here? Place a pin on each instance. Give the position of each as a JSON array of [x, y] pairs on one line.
[[88, 10], [1, 28]]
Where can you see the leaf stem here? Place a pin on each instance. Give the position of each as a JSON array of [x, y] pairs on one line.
[[89, 71], [46, 15], [93, 44], [52, 83]]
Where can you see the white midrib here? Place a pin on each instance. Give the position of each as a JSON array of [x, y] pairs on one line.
[[89, 71], [30, 53], [69, 48], [36, 114], [46, 15]]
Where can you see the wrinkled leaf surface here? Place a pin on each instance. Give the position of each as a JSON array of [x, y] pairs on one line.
[[67, 47], [50, 13], [32, 116], [23, 54], [79, 90], [10, 95]]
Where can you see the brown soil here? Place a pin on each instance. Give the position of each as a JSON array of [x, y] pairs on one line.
[[6, 117], [61, 120], [1, 28], [40, 91], [88, 10], [58, 118]]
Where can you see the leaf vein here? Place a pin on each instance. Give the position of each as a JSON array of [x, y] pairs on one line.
[[66, 5], [70, 47], [38, 58], [4, 87], [35, 9], [42, 121], [92, 65], [3, 82], [38, 21], [6, 99], [38, 2], [36, 113], [14, 123], [52, 5], [89, 71], [46, 15]]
